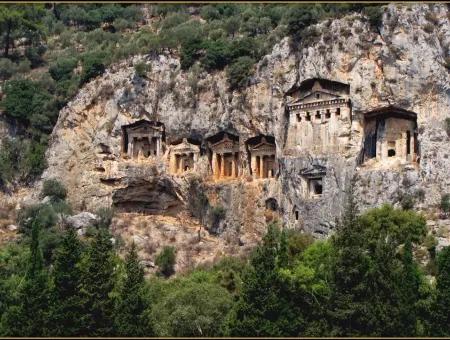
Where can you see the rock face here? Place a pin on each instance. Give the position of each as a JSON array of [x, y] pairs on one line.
[[402, 64]]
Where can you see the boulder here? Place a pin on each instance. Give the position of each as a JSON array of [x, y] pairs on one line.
[[82, 220], [12, 227]]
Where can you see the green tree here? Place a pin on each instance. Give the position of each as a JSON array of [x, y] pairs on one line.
[[67, 309], [130, 318], [441, 309], [29, 315], [19, 21], [54, 189], [166, 260], [368, 276], [32, 105], [97, 284], [265, 308], [239, 72]]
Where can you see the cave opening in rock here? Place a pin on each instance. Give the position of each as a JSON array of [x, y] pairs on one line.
[[315, 186], [271, 204], [155, 197]]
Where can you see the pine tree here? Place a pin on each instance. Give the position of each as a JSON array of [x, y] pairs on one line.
[[265, 308], [67, 307], [441, 311], [29, 317], [130, 317], [368, 279], [98, 281], [348, 270], [409, 286]]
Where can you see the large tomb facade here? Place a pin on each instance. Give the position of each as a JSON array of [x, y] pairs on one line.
[[262, 151], [319, 116], [143, 139], [225, 155], [390, 133], [184, 157]]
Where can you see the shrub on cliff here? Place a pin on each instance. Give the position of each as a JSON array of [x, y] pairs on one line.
[[93, 66], [166, 260], [445, 203], [54, 189], [239, 72]]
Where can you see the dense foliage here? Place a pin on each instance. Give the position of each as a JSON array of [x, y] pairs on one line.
[[47, 52], [363, 281]]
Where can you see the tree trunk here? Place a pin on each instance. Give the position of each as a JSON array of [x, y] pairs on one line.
[[7, 37]]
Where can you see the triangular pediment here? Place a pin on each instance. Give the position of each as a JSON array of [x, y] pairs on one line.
[[312, 97], [263, 145], [314, 171]]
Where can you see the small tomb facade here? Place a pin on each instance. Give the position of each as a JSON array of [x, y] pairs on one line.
[[319, 116], [225, 155], [390, 133], [313, 181], [263, 156], [143, 139], [184, 157]]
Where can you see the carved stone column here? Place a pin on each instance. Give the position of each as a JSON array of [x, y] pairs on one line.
[[261, 167], [253, 166], [234, 165], [215, 167], [222, 166]]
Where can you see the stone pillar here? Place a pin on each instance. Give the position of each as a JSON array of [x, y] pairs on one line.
[[402, 147], [261, 166], [130, 149], [222, 166], [412, 139], [235, 166], [384, 148], [181, 163], [173, 163], [158, 146], [253, 166], [215, 165]]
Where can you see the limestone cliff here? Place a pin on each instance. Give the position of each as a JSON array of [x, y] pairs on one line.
[[403, 64]]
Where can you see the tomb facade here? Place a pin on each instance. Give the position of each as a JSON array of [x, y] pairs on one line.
[[142, 139], [313, 181], [183, 157], [390, 133], [225, 156], [263, 157], [319, 116]]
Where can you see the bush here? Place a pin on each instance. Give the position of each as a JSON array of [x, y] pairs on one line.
[[445, 203], [63, 68], [142, 69], [93, 66], [21, 160], [217, 55], [34, 55], [54, 189], [375, 15], [31, 104], [7, 68], [24, 66], [43, 214], [166, 261], [407, 202], [105, 216], [238, 73]]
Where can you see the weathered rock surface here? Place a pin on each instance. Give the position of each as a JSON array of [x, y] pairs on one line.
[[402, 64]]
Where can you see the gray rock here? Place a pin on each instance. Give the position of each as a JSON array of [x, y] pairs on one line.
[[82, 220], [12, 227]]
